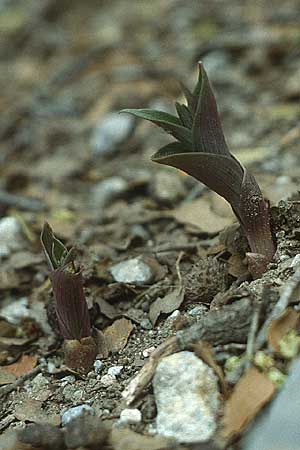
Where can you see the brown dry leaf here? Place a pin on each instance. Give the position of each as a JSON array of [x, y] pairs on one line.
[[166, 304], [126, 439], [281, 326], [24, 365], [202, 215], [205, 352], [116, 336], [236, 266], [31, 410], [135, 315], [249, 396], [101, 343], [157, 269], [106, 308]]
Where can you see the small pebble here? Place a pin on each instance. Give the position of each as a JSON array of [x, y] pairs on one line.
[[147, 352], [113, 129], [75, 412], [146, 324], [107, 190], [16, 310], [132, 271], [197, 311], [98, 366], [68, 379], [115, 370], [130, 416], [51, 367], [284, 258], [174, 315], [145, 306], [91, 375], [10, 236], [108, 380]]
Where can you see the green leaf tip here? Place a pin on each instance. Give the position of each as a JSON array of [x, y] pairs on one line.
[[55, 251]]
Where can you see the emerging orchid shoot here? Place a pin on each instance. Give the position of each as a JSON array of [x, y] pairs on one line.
[[70, 303], [201, 151]]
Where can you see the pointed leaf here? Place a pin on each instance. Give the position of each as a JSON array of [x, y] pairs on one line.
[[207, 130], [185, 115], [47, 244], [169, 123]]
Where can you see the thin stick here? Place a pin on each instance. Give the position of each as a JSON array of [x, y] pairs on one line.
[[141, 380], [252, 333], [177, 266], [4, 390]]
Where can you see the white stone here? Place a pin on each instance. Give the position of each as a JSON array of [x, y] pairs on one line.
[[146, 324], [75, 412], [115, 370], [16, 311], [134, 271], [130, 416], [108, 380], [187, 398], [107, 190], [147, 352], [197, 311], [10, 236], [175, 314], [113, 129], [98, 366]]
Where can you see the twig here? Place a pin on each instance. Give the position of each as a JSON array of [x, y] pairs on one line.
[[252, 332], [4, 390], [175, 247], [283, 302], [230, 347], [151, 292], [177, 266], [140, 381]]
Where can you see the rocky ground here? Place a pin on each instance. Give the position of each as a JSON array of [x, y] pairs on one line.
[[190, 348]]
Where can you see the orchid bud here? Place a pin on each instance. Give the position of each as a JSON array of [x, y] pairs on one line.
[[70, 303]]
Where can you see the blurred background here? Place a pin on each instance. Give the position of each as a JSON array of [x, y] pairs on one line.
[[68, 67]]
